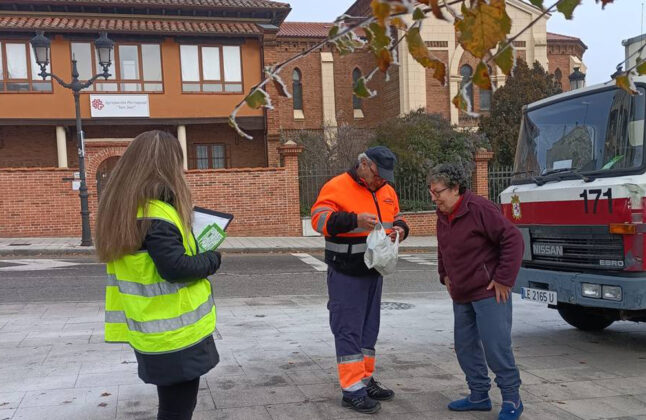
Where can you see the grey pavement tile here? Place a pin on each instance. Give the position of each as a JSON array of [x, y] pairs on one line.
[[239, 413], [544, 362], [625, 385], [56, 338], [19, 384], [573, 374], [313, 376], [259, 396], [14, 356], [603, 408], [121, 364], [7, 413], [11, 339], [10, 400], [245, 383], [296, 411], [140, 409], [107, 379], [137, 391], [40, 370], [569, 391], [67, 412], [70, 396]]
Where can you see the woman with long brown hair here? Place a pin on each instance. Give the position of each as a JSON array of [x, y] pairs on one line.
[[158, 298]]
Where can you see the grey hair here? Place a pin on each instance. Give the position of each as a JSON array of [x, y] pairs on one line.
[[363, 156], [449, 174]]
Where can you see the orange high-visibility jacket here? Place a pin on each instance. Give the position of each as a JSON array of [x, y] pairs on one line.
[[335, 216]]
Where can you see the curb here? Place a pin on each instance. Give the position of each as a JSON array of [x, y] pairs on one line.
[[45, 252]]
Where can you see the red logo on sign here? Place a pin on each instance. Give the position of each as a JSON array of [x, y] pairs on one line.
[[97, 104]]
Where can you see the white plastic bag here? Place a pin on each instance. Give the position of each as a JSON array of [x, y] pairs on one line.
[[381, 253]]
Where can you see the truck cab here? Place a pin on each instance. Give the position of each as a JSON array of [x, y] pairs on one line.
[[577, 195]]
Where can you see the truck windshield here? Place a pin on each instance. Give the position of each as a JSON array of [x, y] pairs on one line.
[[596, 133]]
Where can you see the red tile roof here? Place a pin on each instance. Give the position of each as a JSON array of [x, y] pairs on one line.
[[304, 29], [263, 4], [559, 37], [139, 25], [552, 37]]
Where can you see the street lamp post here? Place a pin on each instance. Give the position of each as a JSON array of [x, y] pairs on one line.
[[104, 47], [577, 79]]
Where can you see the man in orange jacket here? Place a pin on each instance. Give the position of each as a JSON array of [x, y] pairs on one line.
[[346, 211]]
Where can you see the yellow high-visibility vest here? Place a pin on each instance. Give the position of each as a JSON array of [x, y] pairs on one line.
[[148, 312]]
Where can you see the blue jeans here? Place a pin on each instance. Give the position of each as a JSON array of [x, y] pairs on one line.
[[483, 337]]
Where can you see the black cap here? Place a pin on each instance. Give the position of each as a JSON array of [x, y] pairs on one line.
[[385, 161]]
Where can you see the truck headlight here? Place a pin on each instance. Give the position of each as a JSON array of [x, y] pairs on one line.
[[590, 290], [612, 293]]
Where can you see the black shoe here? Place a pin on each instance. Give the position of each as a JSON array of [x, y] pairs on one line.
[[361, 404], [377, 392]]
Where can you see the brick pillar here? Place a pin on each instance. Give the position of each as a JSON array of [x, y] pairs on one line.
[[273, 150], [289, 156], [480, 182]]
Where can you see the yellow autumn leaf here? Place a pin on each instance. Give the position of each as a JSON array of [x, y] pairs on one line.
[[361, 90], [398, 23], [460, 103], [505, 58], [481, 77], [417, 47], [567, 7], [482, 26], [258, 99], [418, 50], [384, 60], [625, 83], [381, 11], [641, 68]]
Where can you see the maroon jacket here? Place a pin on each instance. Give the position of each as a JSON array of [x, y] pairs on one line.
[[477, 246]]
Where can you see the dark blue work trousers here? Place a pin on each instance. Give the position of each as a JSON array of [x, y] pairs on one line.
[[354, 305]]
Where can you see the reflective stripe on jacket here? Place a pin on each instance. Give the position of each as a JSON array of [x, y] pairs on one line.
[[335, 216], [151, 314]]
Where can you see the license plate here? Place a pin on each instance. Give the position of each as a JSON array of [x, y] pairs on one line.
[[538, 295]]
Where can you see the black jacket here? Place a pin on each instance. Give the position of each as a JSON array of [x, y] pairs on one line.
[[164, 245]]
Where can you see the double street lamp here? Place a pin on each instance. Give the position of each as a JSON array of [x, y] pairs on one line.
[[104, 47]]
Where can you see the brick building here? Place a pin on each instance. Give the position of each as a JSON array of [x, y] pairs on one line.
[[180, 66], [324, 79], [185, 65]]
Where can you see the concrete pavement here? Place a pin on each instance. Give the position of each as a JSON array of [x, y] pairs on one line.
[[71, 246], [278, 363]]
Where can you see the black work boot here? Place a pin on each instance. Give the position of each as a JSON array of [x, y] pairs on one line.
[[363, 404], [378, 392]]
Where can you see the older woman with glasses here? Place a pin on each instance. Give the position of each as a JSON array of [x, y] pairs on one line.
[[479, 255]]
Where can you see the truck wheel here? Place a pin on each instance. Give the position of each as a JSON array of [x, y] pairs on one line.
[[586, 319]]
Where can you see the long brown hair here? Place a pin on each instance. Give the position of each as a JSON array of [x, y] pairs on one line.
[[150, 169]]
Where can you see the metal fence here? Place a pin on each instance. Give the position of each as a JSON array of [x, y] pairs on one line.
[[499, 179]]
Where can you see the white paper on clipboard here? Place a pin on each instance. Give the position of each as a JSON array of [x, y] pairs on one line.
[[203, 219]]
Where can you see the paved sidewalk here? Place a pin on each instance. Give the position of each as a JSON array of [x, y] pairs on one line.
[[278, 363], [70, 246]]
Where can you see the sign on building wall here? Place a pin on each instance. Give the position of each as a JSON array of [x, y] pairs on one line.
[[119, 106]]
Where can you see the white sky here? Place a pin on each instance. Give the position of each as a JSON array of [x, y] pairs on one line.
[[601, 30]]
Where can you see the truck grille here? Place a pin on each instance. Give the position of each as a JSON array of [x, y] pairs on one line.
[[577, 247]]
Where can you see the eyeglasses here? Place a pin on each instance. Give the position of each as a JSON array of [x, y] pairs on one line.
[[375, 173], [438, 192]]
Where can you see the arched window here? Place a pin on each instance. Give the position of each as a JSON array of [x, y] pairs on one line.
[[297, 89], [485, 95], [466, 72], [558, 76], [356, 102]]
